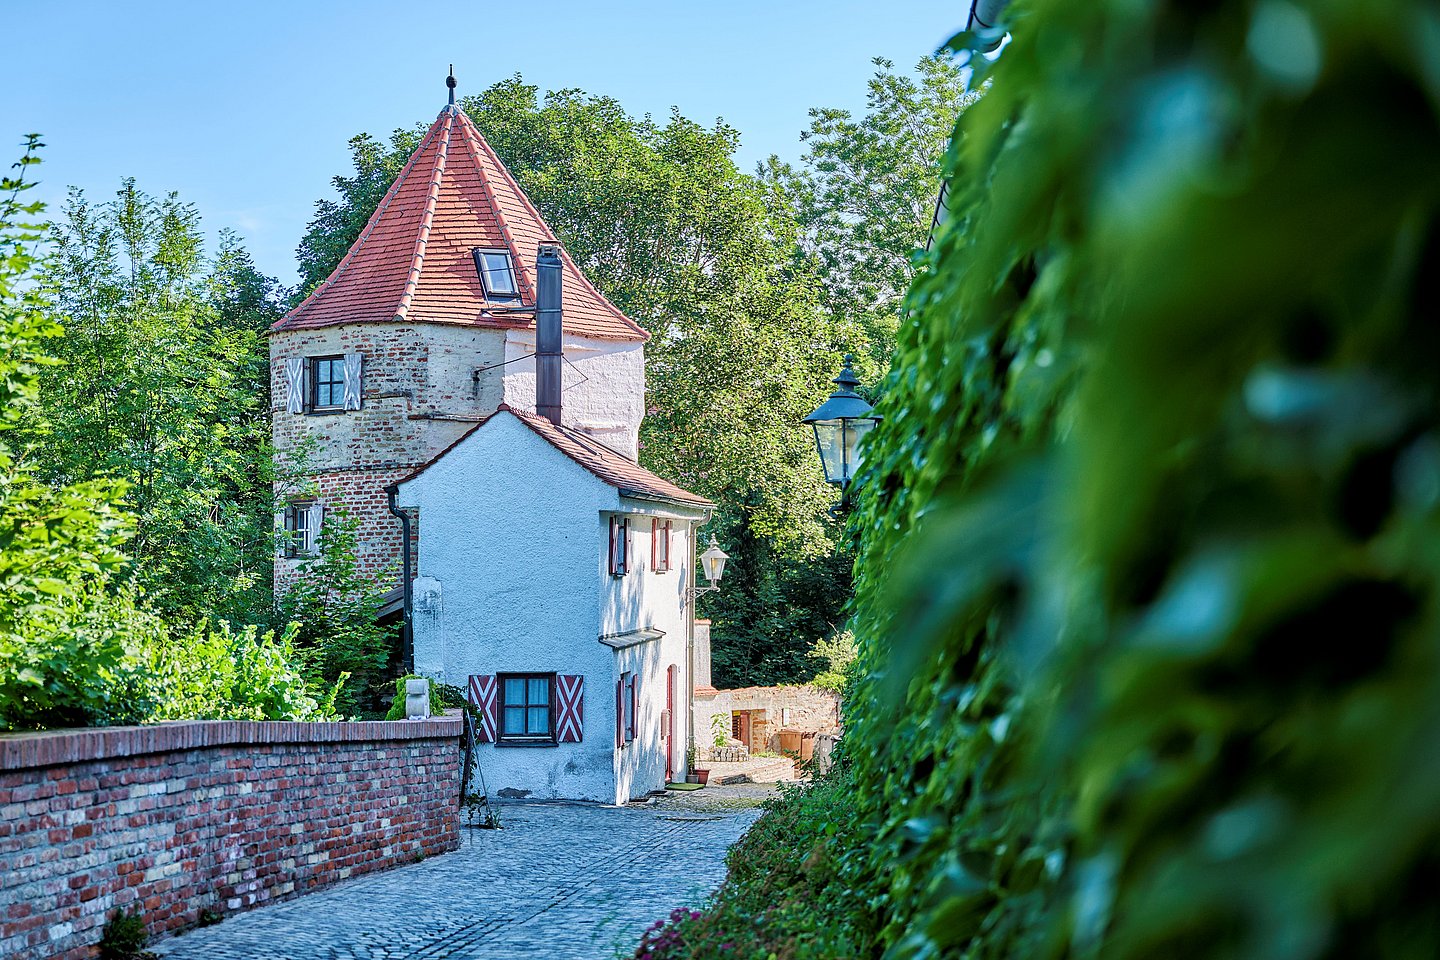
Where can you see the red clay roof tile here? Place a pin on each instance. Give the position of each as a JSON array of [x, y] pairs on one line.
[[413, 261]]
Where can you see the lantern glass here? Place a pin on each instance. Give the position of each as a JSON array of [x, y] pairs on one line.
[[830, 441], [713, 562], [855, 431], [839, 444]]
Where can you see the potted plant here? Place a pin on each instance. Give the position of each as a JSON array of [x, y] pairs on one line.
[[693, 775]]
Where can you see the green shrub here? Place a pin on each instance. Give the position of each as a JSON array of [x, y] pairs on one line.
[[124, 937], [216, 673], [335, 603], [788, 891]]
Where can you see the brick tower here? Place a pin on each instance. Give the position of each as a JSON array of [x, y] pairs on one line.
[[425, 327]]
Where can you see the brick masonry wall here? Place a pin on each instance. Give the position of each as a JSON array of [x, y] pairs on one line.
[[179, 818], [418, 392]]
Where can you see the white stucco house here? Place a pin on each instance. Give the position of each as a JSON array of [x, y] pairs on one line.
[[562, 602]]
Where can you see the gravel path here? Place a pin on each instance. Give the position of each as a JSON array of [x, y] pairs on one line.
[[558, 881]]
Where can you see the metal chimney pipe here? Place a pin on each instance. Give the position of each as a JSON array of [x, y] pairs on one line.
[[548, 321]]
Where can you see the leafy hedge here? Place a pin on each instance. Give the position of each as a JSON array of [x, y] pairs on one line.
[[1148, 576]]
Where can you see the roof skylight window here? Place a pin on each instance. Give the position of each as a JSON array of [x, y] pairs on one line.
[[497, 274]]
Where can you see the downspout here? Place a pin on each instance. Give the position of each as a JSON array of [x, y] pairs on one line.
[[690, 633], [407, 587], [690, 652]]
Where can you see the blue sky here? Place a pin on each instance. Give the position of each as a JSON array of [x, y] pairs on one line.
[[245, 107]]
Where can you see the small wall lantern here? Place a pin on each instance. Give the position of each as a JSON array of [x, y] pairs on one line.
[[712, 562], [840, 423]]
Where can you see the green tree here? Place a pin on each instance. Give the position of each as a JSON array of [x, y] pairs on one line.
[[864, 193], [65, 638], [162, 383], [659, 217]]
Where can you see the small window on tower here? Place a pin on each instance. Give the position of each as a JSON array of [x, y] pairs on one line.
[[497, 274], [327, 383]]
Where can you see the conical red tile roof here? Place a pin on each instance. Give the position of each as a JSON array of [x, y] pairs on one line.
[[414, 260]]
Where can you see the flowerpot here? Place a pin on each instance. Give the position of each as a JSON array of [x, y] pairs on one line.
[[701, 776], [692, 778]]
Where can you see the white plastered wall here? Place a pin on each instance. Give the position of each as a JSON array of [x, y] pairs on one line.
[[604, 386], [647, 599], [509, 567]]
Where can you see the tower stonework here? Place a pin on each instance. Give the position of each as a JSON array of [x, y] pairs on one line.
[[424, 328]]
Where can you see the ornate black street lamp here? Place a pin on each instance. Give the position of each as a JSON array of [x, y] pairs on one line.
[[840, 423]]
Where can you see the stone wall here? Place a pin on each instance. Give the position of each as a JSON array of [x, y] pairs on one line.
[[803, 708], [221, 816]]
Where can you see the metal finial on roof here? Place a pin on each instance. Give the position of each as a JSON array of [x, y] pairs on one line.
[[450, 82]]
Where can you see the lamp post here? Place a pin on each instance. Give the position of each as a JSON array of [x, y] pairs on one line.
[[840, 423]]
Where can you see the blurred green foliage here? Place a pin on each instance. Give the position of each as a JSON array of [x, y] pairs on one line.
[[1148, 582], [1148, 578]]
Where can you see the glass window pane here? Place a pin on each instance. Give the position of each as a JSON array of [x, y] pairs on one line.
[[539, 720], [515, 691], [514, 720], [499, 275], [539, 690]]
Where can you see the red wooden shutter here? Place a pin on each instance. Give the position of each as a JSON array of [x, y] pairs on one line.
[[620, 711], [482, 695], [570, 707], [655, 546], [634, 706], [613, 571]]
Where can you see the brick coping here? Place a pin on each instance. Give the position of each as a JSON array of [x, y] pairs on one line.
[[47, 748]]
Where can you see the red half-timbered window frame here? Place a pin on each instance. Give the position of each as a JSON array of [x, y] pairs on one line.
[[660, 532], [619, 546]]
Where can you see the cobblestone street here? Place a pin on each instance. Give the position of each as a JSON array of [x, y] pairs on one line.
[[559, 881]]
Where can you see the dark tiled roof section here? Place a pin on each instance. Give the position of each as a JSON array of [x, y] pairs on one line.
[[614, 468], [413, 261]]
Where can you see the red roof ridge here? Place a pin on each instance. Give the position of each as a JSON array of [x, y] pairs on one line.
[[594, 457], [427, 219]]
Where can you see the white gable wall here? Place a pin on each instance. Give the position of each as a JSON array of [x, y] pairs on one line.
[[508, 524], [514, 577]]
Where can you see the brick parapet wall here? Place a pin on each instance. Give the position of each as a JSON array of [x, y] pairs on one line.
[[179, 818]]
